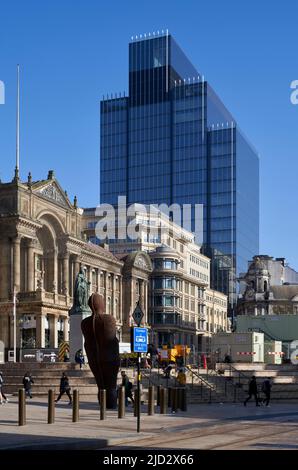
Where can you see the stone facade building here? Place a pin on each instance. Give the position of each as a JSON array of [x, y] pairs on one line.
[[264, 289], [41, 251], [182, 307]]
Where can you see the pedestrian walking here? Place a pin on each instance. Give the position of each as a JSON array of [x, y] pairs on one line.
[[3, 398], [64, 388], [126, 383], [27, 382], [266, 389], [252, 390]]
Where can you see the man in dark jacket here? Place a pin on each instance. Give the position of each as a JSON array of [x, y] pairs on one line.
[[252, 390], [64, 388], [266, 389], [128, 388], [27, 382]]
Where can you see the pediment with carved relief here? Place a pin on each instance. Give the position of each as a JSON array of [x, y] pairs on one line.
[[54, 193]]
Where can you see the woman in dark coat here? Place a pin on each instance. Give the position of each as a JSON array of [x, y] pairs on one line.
[[64, 388], [252, 390]]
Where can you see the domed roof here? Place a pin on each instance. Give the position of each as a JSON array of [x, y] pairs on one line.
[[165, 250], [257, 266]]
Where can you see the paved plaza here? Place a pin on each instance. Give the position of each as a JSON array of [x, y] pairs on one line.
[[205, 426]]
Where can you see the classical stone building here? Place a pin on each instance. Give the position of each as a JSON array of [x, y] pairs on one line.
[[41, 251], [265, 290]]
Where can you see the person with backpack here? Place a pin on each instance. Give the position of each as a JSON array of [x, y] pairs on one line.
[[252, 390], [79, 358], [64, 388], [27, 382], [181, 377], [266, 389], [167, 371], [126, 383]]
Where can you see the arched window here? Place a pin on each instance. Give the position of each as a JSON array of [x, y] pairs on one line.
[[265, 286]]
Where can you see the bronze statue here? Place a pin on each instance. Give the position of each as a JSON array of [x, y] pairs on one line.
[[102, 348], [81, 291]]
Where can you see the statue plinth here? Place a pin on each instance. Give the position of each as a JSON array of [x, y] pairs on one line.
[[76, 339], [77, 310], [77, 313]]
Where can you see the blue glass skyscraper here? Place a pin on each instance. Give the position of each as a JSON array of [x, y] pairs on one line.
[[171, 140]]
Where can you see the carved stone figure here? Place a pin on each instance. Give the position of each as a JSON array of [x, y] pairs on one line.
[[81, 291], [102, 348]]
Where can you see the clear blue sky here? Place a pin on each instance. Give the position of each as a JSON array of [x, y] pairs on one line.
[[73, 52]]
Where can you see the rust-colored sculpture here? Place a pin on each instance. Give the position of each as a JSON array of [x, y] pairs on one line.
[[102, 348]]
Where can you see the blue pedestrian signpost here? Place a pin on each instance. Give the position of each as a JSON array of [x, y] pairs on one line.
[[140, 340]]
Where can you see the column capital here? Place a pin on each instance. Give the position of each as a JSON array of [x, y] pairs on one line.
[[65, 255], [31, 242], [16, 239]]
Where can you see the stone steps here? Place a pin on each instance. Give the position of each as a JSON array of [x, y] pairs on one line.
[[43, 389]]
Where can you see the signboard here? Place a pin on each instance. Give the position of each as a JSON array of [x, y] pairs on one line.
[[138, 314], [140, 339], [124, 348], [11, 356]]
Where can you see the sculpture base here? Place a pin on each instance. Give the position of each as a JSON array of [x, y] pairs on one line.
[[76, 339]]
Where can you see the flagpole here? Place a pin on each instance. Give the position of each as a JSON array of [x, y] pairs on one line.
[[18, 126]]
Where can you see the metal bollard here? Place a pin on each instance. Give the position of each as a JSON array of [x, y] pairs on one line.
[[183, 399], [170, 396], [174, 399], [151, 401], [158, 395], [22, 407], [75, 406], [163, 401], [121, 402], [51, 407], [103, 404]]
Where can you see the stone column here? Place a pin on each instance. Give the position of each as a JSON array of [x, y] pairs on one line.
[[146, 301], [70, 280], [5, 267], [53, 331], [98, 281], [65, 329], [55, 274], [10, 326], [16, 243], [133, 299], [65, 274], [106, 292], [40, 331], [113, 296], [30, 266], [120, 301], [76, 262]]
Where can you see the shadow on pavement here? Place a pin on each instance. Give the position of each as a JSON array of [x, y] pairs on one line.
[[35, 442]]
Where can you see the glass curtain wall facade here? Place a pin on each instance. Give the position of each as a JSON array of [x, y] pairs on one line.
[[173, 141]]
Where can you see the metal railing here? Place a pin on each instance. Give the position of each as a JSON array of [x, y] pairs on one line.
[[203, 383], [229, 386]]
